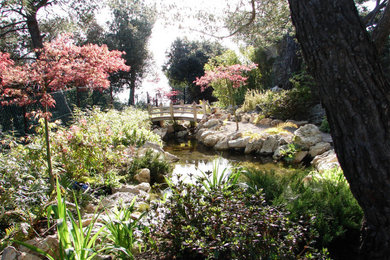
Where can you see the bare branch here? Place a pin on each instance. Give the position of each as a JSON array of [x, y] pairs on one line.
[[368, 19], [242, 27], [382, 30]]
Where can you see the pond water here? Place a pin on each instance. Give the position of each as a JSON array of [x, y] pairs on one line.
[[195, 158]]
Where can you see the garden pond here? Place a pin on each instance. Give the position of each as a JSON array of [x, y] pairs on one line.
[[195, 158]]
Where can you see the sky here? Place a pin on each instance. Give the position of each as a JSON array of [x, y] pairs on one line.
[[163, 35]]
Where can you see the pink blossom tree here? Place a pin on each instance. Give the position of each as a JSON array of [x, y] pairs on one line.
[[61, 65], [228, 77]]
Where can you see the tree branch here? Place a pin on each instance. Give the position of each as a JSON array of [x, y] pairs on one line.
[[242, 27], [367, 20], [382, 30]]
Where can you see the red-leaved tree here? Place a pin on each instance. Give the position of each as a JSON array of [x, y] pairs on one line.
[[231, 77], [61, 65]]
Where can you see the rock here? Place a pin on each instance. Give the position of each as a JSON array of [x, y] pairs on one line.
[[199, 133], [265, 121], [307, 136], [143, 175], [284, 139], [297, 123], [181, 134], [222, 145], [48, 244], [211, 123], [254, 146], [245, 118], [205, 134], [90, 208], [153, 146], [319, 148], [269, 145], [170, 129], [170, 157], [10, 253], [118, 198], [326, 161], [212, 140], [316, 114], [278, 154], [276, 122], [299, 156], [161, 132], [239, 143], [145, 186], [27, 256], [126, 188]]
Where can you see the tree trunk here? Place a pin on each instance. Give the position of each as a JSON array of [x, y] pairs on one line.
[[355, 94], [132, 89], [33, 29]]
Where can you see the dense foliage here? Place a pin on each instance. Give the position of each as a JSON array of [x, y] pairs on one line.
[[199, 223], [326, 198], [97, 148]]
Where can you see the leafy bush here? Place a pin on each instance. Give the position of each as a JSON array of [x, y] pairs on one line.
[[325, 197], [324, 127], [195, 223], [23, 183], [96, 146], [285, 104], [153, 162]]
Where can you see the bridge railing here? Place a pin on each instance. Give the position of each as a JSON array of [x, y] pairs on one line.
[[176, 111]]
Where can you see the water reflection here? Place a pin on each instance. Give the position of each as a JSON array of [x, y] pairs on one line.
[[196, 158]]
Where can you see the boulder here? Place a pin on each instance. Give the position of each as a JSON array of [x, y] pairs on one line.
[[265, 121], [299, 156], [48, 244], [205, 134], [181, 134], [170, 157], [278, 154], [326, 161], [297, 123], [153, 146], [307, 136], [269, 145], [10, 253], [254, 145], [239, 143], [211, 123], [117, 198], [319, 148], [222, 145], [161, 132], [212, 140], [145, 186], [276, 122], [143, 175]]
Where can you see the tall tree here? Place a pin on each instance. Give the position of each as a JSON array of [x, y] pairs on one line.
[[130, 31], [186, 60], [344, 59]]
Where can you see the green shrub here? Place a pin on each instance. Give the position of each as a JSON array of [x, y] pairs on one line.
[[96, 146], [285, 104], [326, 198], [195, 223], [23, 183], [324, 127], [157, 166]]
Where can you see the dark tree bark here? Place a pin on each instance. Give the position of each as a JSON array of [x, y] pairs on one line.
[[132, 89], [344, 61]]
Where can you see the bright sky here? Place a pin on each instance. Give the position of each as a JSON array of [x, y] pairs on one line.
[[163, 36]]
